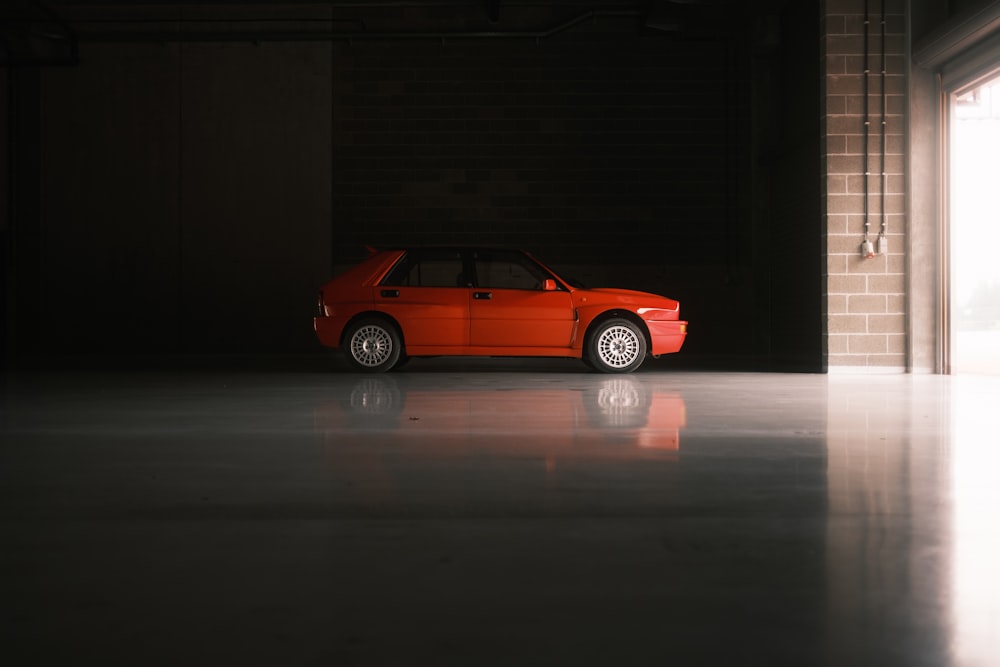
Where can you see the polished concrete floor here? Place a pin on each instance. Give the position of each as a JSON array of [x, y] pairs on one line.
[[491, 512]]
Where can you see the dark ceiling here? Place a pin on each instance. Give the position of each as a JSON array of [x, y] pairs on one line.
[[48, 33]]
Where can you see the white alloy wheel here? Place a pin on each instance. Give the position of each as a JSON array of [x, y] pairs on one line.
[[617, 346], [373, 345]]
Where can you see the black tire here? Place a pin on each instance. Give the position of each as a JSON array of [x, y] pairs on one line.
[[616, 345], [372, 345]]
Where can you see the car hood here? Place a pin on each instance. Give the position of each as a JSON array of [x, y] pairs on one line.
[[615, 295]]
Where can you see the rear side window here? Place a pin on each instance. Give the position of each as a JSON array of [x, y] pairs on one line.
[[503, 269], [428, 268]]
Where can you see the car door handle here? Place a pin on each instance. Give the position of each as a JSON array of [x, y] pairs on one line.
[[390, 293], [482, 296]]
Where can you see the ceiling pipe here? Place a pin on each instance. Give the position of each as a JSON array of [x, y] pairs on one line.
[[175, 35]]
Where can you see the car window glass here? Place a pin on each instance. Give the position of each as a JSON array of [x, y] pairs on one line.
[[505, 270], [433, 269]]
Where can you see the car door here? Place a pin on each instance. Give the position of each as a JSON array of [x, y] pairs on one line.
[[511, 306], [427, 292]]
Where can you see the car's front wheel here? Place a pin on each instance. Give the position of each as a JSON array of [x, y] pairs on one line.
[[616, 346], [372, 345]]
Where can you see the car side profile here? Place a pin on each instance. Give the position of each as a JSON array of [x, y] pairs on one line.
[[448, 301]]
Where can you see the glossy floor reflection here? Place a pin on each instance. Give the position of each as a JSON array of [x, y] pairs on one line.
[[498, 513]]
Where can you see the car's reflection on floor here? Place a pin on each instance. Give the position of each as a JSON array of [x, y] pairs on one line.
[[618, 410], [493, 445]]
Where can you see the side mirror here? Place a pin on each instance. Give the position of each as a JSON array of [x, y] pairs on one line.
[[549, 285]]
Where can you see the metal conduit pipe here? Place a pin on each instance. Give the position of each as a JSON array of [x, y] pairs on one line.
[[175, 35], [867, 249], [883, 247]]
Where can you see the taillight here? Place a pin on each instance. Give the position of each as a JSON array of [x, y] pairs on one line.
[[320, 306]]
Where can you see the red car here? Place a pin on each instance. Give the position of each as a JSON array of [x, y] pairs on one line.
[[423, 302]]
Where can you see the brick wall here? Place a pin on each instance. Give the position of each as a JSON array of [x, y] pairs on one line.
[[864, 298]]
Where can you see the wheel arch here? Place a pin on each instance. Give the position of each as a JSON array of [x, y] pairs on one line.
[[610, 315], [373, 314]]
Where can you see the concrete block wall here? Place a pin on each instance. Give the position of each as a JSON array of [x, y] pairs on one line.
[[865, 304], [573, 149]]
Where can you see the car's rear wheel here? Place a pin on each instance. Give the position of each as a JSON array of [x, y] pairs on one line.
[[372, 345], [616, 346]]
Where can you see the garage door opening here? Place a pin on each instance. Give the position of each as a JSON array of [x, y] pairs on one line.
[[975, 228]]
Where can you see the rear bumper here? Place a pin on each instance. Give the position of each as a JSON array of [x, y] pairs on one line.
[[666, 336]]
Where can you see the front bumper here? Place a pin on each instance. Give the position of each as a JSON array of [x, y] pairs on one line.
[[329, 330], [666, 336]]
